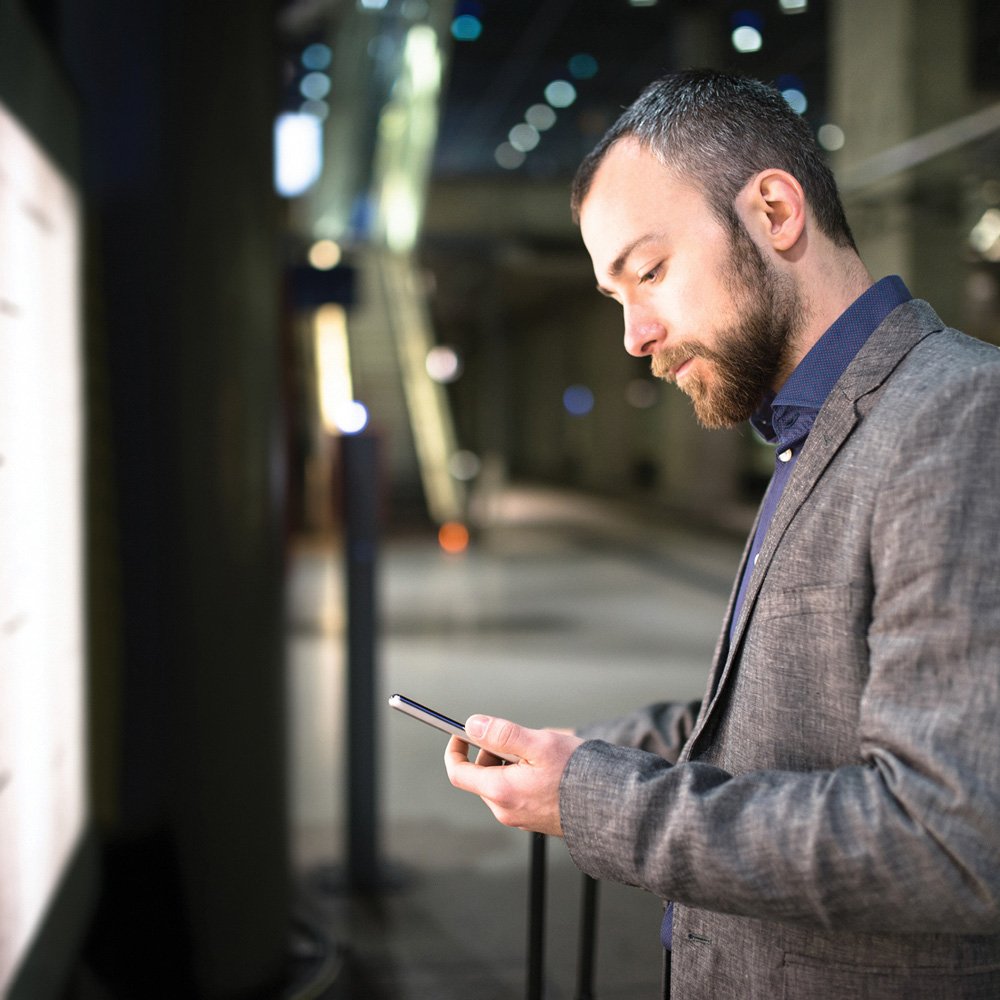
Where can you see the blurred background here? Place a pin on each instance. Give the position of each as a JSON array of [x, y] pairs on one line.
[[306, 396]]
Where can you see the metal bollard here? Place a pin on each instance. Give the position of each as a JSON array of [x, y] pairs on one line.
[[359, 462]]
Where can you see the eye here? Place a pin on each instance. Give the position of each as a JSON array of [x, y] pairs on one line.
[[649, 275]]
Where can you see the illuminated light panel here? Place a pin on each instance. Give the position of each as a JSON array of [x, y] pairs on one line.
[[333, 367], [298, 153], [373, 4], [43, 638], [794, 6], [466, 28], [831, 137], [560, 93]]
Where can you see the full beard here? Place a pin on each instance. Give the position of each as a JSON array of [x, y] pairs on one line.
[[751, 354]]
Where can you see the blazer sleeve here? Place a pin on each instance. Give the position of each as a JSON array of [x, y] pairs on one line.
[[904, 837], [660, 729]]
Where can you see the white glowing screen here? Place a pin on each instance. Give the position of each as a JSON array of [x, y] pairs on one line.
[[42, 780]]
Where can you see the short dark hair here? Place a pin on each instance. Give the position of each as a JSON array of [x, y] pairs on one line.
[[719, 130]]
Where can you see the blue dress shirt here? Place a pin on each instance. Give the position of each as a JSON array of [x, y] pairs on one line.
[[785, 419]]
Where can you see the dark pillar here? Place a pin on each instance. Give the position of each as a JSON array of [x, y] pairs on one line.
[[177, 100]]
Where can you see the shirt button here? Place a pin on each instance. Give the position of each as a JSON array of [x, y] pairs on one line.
[[786, 455]]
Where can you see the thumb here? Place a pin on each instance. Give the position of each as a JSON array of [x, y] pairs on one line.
[[497, 735]]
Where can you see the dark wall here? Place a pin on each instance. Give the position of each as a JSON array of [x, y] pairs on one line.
[[177, 104]]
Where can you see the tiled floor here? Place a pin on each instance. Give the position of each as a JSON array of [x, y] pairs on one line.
[[563, 610]]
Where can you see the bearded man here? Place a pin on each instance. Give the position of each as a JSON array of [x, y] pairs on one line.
[[824, 822]]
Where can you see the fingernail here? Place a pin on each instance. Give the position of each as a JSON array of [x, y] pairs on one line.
[[475, 725]]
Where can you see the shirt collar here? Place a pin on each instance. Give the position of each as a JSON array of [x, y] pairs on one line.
[[786, 418]]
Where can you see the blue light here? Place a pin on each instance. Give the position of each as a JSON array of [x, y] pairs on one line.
[[317, 56], [797, 101], [578, 400], [747, 19], [583, 66], [789, 80], [466, 28]]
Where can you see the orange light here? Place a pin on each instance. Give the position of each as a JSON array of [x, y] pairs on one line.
[[453, 537]]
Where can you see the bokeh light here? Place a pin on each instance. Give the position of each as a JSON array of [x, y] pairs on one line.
[[540, 116], [464, 465], [578, 400], [317, 56], [747, 39], [466, 28], [443, 364], [641, 393], [453, 537], [523, 137], [582, 66], [508, 157], [560, 93], [324, 255], [796, 100], [351, 417], [831, 136], [315, 86]]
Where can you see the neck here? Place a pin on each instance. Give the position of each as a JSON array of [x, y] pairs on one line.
[[826, 287]]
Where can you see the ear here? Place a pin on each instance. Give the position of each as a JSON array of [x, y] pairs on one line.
[[776, 208]]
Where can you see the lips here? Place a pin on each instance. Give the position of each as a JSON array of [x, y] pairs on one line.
[[674, 363], [678, 372]]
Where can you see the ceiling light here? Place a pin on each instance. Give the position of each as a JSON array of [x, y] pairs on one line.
[[560, 93], [831, 136], [747, 39], [541, 116]]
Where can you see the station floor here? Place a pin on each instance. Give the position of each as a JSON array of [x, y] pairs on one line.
[[564, 609]]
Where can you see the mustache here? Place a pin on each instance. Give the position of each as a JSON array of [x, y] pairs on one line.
[[665, 362]]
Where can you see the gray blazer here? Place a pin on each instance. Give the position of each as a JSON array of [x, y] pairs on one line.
[[831, 828]]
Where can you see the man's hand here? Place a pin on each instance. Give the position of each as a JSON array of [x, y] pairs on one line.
[[525, 794]]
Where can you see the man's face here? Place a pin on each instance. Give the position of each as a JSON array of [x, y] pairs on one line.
[[700, 299]]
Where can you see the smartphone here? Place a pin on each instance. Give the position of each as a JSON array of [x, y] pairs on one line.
[[417, 711]]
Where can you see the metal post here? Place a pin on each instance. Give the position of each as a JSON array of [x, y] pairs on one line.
[[359, 466], [588, 941], [536, 919]]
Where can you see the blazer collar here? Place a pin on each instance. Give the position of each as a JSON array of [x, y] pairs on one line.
[[850, 399]]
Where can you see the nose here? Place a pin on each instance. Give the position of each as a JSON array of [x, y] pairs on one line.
[[644, 333]]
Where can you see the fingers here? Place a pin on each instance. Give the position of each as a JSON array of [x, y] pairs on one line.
[[524, 795], [500, 737]]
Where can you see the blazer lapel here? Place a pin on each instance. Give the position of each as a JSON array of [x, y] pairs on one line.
[[888, 345]]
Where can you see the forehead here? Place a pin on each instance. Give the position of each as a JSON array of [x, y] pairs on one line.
[[632, 195]]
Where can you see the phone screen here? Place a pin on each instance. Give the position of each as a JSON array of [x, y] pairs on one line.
[[437, 719]]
